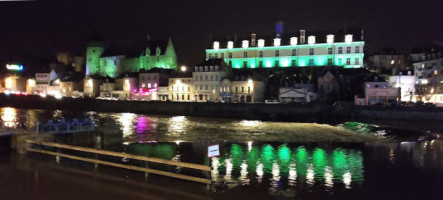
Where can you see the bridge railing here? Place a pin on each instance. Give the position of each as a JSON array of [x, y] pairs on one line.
[[203, 168]]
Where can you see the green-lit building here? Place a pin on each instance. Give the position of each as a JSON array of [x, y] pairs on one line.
[[104, 60], [304, 49]]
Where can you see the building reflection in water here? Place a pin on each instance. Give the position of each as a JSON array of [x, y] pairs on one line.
[[286, 167], [9, 117], [177, 126]]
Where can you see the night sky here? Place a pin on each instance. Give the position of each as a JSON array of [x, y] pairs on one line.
[[37, 29]]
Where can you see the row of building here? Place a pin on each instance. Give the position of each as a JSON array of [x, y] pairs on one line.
[[300, 67]]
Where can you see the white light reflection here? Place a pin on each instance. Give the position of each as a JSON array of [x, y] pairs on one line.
[[9, 117], [249, 146], [292, 178], [275, 176], [259, 172], [310, 175], [214, 171], [229, 165], [250, 123], [328, 177], [347, 177], [244, 173], [125, 120], [177, 125]]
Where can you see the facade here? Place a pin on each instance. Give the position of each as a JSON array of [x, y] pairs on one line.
[[296, 95], [181, 88], [91, 87], [378, 93], [43, 80], [207, 77], [388, 61], [69, 88], [247, 88], [103, 61], [430, 72], [150, 82], [123, 88], [406, 83], [328, 87], [298, 50]]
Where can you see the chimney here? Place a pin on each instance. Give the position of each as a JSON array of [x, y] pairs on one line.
[[279, 29], [253, 36], [302, 36]]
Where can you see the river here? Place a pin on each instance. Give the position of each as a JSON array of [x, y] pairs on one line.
[[260, 160]]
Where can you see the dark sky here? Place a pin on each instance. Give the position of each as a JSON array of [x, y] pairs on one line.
[[38, 29]]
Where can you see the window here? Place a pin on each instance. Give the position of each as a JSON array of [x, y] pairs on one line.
[[206, 77], [245, 54], [330, 50], [155, 85], [143, 85], [230, 55], [294, 63], [311, 51], [329, 61], [222, 55], [348, 49], [236, 89], [242, 89], [357, 61], [311, 62], [348, 61], [277, 63], [212, 77], [260, 63], [215, 56], [189, 88], [216, 77], [340, 50], [357, 49], [189, 98], [206, 87], [149, 85], [183, 97], [209, 56], [277, 53], [260, 54], [245, 64], [294, 52], [249, 89]]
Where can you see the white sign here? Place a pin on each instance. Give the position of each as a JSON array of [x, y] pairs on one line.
[[213, 151]]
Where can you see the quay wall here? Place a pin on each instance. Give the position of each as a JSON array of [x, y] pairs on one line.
[[313, 112]]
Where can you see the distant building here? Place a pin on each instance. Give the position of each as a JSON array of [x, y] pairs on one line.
[[406, 83], [345, 49], [378, 91], [150, 83], [296, 95], [247, 87], [103, 60], [207, 78], [181, 87], [328, 88], [388, 62]]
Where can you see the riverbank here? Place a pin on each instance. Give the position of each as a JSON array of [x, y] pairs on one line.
[[313, 112]]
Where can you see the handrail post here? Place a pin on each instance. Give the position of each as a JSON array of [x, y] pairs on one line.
[[146, 173]]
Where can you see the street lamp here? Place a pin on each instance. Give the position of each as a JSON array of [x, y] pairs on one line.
[[183, 68]]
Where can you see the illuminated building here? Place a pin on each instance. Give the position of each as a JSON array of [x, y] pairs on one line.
[[377, 91], [290, 50], [102, 60], [150, 83], [69, 87], [181, 87], [406, 83], [430, 73], [121, 88], [43, 80], [245, 87], [207, 77], [91, 86]]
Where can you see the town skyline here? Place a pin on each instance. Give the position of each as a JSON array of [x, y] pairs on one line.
[[70, 24]]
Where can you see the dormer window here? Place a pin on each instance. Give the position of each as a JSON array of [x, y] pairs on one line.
[[330, 39], [230, 44], [277, 42], [216, 45], [245, 44], [261, 43], [348, 38], [311, 39], [293, 41]]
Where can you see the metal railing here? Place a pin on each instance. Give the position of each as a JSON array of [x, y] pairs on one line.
[[203, 168]]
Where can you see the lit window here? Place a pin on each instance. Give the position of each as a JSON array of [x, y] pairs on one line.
[[216, 45], [293, 41], [230, 45], [348, 38], [149, 85], [245, 44], [330, 39], [311, 39], [277, 42], [261, 43]]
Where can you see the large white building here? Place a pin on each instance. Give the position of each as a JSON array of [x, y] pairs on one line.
[[207, 79], [291, 50]]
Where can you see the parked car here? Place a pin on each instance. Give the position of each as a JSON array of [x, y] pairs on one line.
[[271, 102]]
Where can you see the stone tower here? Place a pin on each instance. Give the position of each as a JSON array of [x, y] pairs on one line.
[[95, 47]]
